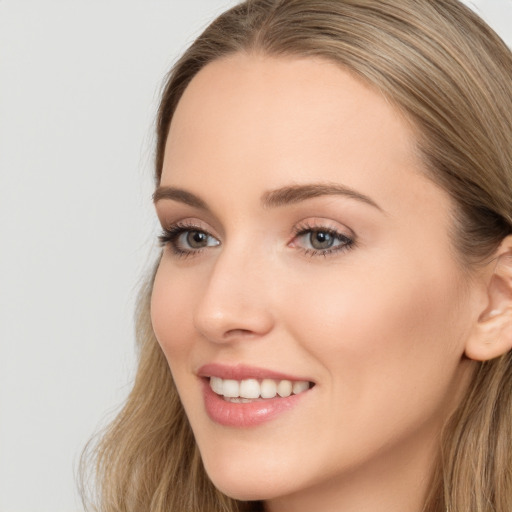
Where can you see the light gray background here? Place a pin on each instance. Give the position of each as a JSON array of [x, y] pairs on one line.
[[79, 83]]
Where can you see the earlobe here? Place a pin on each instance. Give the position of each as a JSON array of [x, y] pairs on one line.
[[492, 335]]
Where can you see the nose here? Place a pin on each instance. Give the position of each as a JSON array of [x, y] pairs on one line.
[[236, 301]]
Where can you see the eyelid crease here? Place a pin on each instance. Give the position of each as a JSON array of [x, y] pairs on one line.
[[324, 225]]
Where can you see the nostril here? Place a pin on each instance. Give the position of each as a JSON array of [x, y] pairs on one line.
[[239, 332]]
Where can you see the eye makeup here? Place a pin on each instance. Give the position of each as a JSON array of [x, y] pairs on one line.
[[186, 239], [311, 238], [318, 238]]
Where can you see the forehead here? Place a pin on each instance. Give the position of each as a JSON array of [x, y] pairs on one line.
[[265, 122]]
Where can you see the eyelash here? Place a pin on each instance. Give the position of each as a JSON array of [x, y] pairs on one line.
[[347, 242], [170, 236]]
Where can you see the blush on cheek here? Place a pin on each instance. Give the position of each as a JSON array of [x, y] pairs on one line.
[[395, 319], [168, 311]]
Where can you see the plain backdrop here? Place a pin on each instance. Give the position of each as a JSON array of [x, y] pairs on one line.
[[79, 82]]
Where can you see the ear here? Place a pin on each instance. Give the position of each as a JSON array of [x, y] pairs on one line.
[[492, 335]]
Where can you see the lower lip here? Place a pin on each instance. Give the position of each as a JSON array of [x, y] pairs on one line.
[[247, 414]]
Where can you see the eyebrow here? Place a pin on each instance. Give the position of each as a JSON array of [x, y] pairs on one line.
[[273, 198], [180, 195], [297, 193]]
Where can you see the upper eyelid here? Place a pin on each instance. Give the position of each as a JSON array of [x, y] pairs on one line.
[[178, 229], [335, 232], [191, 225], [171, 212], [318, 224], [303, 225], [306, 229], [171, 200]]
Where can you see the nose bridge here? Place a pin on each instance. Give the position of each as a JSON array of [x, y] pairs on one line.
[[236, 300]]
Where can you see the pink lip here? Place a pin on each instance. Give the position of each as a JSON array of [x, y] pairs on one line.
[[248, 414], [240, 372]]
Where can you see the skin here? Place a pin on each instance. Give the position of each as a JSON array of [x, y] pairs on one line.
[[380, 327]]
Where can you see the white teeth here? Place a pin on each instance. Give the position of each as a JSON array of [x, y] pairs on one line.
[[231, 388], [216, 385], [284, 388], [268, 388], [248, 389], [300, 386]]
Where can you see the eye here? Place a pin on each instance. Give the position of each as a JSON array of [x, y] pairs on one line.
[[195, 239], [187, 240], [321, 240]]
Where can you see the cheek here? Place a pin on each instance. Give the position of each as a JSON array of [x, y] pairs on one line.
[[385, 335], [171, 314], [364, 315]]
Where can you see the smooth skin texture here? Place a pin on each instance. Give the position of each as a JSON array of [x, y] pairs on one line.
[[379, 325]]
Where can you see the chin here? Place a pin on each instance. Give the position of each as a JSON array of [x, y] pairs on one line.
[[244, 483]]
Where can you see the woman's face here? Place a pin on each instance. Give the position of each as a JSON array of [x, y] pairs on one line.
[[306, 251]]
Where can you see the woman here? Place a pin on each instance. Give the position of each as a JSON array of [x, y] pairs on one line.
[[330, 322]]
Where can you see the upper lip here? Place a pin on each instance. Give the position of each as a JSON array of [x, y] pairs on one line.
[[242, 371]]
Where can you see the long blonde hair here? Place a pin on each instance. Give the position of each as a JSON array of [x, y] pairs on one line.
[[452, 76]]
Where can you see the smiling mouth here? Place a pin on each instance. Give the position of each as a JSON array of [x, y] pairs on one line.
[[250, 390]]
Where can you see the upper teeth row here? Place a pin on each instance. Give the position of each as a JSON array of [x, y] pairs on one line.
[[253, 388]]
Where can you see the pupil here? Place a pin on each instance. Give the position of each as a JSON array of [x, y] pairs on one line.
[[321, 240], [196, 239]]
